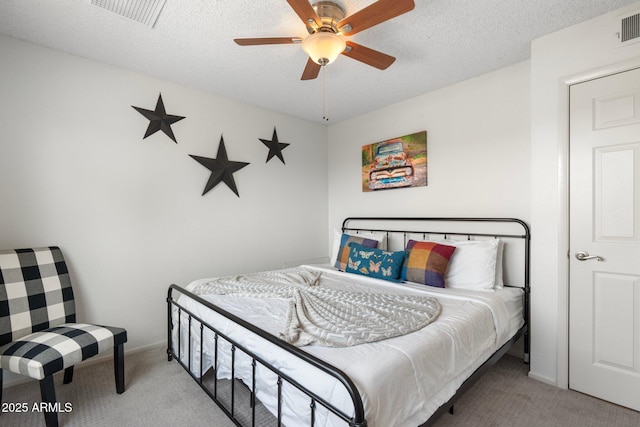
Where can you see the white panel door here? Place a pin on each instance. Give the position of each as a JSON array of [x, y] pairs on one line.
[[604, 299]]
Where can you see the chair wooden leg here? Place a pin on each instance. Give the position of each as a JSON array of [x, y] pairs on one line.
[[68, 375], [118, 367], [48, 393]]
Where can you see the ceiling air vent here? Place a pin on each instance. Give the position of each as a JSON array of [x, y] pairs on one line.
[[143, 11], [630, 29]]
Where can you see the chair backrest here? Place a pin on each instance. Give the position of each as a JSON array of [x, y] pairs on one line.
[[35, 292]]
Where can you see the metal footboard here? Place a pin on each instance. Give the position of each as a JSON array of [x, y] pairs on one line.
[[179, 316]]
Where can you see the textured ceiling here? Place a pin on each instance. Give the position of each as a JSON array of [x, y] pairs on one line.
[[439, 43]]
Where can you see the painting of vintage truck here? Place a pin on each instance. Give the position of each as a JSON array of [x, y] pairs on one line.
[[395, 163]]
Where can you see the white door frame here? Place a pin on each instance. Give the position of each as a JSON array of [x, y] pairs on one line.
[[562, 364]]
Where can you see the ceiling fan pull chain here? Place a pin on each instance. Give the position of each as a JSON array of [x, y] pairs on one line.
[[325, 96]]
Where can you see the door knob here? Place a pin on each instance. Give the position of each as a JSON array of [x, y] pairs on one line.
[[583, 256]]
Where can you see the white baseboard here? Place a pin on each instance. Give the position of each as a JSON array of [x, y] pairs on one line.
[[543, 379]]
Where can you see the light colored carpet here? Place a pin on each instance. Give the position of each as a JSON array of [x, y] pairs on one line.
[[506, 396], [158, 393], [161, 393]]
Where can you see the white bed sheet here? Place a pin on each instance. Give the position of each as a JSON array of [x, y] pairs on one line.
[[402, 380]]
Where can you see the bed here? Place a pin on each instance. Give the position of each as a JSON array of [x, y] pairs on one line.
[[260, 343]]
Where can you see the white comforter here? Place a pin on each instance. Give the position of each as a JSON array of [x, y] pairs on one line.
[[402, 380], [328, 316]]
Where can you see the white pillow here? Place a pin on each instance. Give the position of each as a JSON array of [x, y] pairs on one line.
[[499, 283], [337, 236], [473, 264]]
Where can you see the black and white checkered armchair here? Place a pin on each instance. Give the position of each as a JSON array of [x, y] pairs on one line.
[[38, 333]]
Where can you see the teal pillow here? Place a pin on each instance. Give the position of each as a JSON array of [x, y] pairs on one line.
[[375, 262]]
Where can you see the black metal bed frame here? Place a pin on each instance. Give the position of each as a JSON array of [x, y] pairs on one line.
[[358, 417]]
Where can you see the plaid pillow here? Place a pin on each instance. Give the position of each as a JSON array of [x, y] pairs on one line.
[[426, 263], [343, 252]]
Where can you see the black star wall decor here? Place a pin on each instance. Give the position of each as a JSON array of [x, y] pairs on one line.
[[275, 146], [159, 120], [221, 168]]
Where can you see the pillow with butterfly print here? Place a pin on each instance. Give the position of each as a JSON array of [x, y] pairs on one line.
[[375, 262]]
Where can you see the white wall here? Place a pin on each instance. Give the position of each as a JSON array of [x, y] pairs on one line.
[[477, 146], [129, 213], [575, 54]]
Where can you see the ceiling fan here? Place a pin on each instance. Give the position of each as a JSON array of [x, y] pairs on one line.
[[327, 24]]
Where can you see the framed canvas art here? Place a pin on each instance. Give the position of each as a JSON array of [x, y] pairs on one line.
[[395, 163]]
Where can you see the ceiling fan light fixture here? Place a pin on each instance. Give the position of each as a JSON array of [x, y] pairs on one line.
[[323, 47]]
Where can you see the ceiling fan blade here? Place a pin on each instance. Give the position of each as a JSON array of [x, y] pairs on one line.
[[376, 59], [378, 12], [311, 70], [267, 40], [305, 11]]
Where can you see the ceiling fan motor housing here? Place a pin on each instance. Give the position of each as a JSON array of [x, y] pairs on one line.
[[330, 14]]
